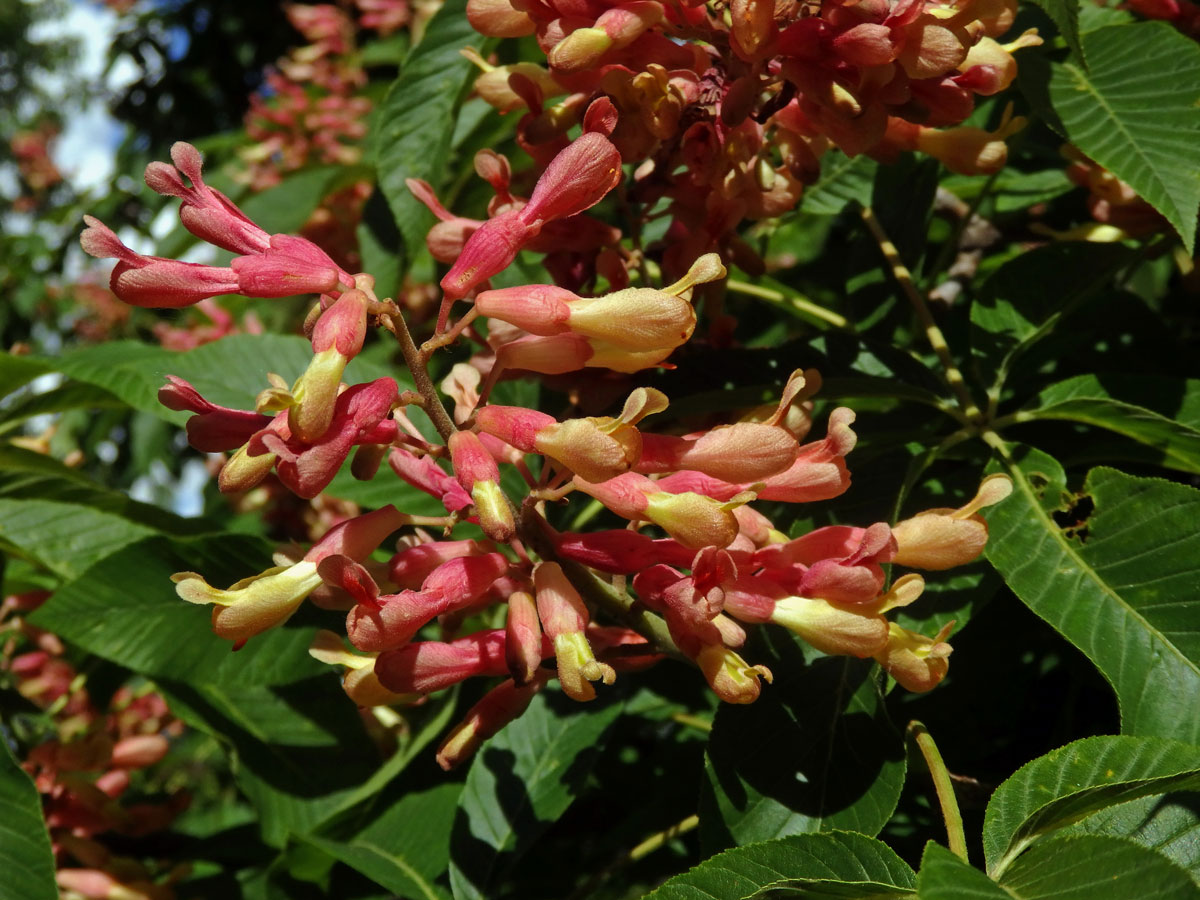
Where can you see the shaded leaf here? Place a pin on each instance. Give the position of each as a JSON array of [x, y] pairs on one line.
[[837, 864], [407, 845], [1065, 14], [1091, 400], [417, 118], [1088, 867], [25, 856], [1167, 823], [1023, 300], [1153, 146], [844, 179], [300, 748], [519, 783], [1077, 780], [815, 752], [1119, 585]]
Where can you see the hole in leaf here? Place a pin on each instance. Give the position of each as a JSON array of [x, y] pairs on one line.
[[1074, 519]]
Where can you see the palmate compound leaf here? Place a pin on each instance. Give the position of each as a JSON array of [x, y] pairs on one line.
[[1134, 111], [1118, 580], [26, 861], [833, 864], [1072, 782]]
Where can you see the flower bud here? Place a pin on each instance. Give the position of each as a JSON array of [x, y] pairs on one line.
[[523, 637], [498, 18], [360, 682], [731, 677], [744, 452], [967, 150], [498, 707], [139, 751], [429, 666], [564, 618], [242, 471], [835, 630], [254, 604], [579, 50], [694, 520], [943, 538], [753, 24], [916, 662]]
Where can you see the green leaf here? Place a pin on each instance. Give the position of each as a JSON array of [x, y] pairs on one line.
[[64, 537], [520, 782], [1120, 585], [407, 845], [125, 609], [837, 864], [416, 122], [1089, 867], [844, 179], [944, 876], [72, 395], [1116, 403], [1077, 780], [1065, 14], [18, 371], [300, 748], [816, 752], [1153, 146], [1023, 300], [1167, 823], [130, 370], [25, 856]]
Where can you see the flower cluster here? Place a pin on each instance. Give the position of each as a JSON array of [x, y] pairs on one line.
[[525, 602], [725, 112], [83, 771]]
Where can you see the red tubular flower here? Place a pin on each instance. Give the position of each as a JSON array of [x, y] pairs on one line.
[[498, 707], [693, 519], [213, 428], [564, 618], [359, 417], [390, 621], [478, 473], [205, 212], [429, 666], [620, 551], [410, 567], [745, 452], [576, 180], [263, 601], [151, 280], [337, 338], [426, 475]]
